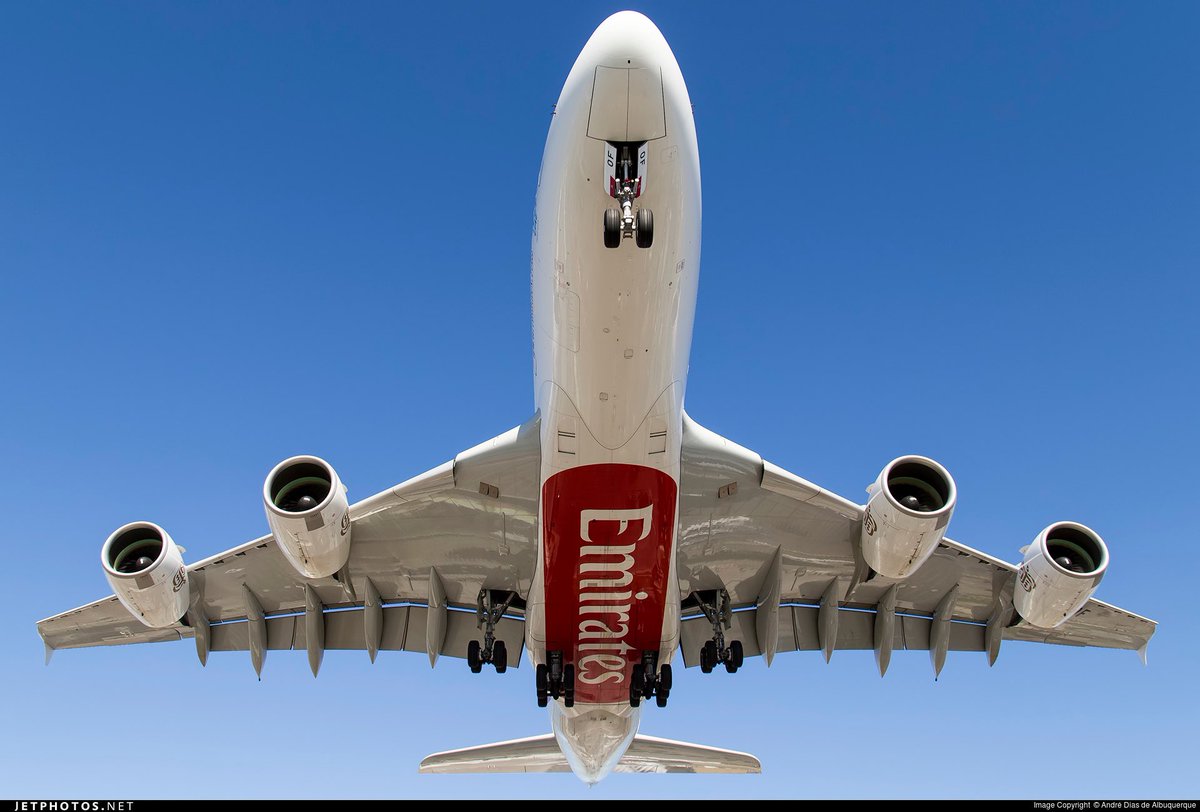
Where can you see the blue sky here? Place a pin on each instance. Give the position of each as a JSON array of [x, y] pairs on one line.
[[961, 230]]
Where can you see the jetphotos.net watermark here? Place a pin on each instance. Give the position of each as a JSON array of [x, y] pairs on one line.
[[72, 806]]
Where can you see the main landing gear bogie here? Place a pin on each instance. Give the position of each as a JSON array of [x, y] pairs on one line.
[[648, 681], [498, 658], [555, 680], [711, 656], [491, 651], [714, 652]]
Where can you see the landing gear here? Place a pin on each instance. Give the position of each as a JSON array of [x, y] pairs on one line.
[[555, 680], [645, 228], [622, 223], [625, 166], [612, 228], [714, 652], [568, 681], [734, 661], [488, 614], [648, 681], [664, 686], [542, 681]]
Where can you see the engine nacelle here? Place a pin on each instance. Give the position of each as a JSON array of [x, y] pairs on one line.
[[907, 514], [145, 568], [309, 515], [1062, 568]]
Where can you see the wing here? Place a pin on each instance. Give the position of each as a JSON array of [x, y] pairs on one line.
[[419, 551], [789, 549]]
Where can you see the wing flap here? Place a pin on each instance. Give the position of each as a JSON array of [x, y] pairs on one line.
[[403, 630], [798, 631]]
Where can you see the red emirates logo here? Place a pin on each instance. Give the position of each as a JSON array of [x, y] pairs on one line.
[[608, 533]]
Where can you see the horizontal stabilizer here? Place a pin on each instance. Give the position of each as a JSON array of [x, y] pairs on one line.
[[541, 754], [649, 754], [537, 754]]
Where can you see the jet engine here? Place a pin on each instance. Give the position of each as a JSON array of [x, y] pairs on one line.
[[145, 568], [1062, 568], [309, 515], [906, 516]]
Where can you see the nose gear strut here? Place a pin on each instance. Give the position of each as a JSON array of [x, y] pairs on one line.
[[720, 615], [626, 182]]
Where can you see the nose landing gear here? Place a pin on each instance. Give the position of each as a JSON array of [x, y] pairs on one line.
[[626, 183], [644, 230], [715, 652]]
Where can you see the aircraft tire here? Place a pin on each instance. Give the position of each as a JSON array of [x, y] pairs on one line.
[[645, 228], [612, 228]]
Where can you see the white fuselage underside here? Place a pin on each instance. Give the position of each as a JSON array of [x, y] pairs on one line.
[[612, 334]]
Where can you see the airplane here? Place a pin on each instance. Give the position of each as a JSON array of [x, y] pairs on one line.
[[610, 536]]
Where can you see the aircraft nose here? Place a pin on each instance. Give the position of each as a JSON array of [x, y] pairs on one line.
[[627, 57], [628, 39]]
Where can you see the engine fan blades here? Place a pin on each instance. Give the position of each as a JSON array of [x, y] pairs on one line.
[[135, 558], [1068, 563], [303, 494], [1070, 556]]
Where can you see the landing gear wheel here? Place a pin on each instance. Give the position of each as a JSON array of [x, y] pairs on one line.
[[637, 685], [473, 658], [664, 679], [612, 228], [569, 685], [708, 657], [660, 698], [734, 661], [500, 657], [645, 228], [542, 683]]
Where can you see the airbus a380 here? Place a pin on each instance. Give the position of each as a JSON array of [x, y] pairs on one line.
[[609, 533]]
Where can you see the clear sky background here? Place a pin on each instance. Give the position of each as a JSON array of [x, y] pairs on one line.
[[964, 230]]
